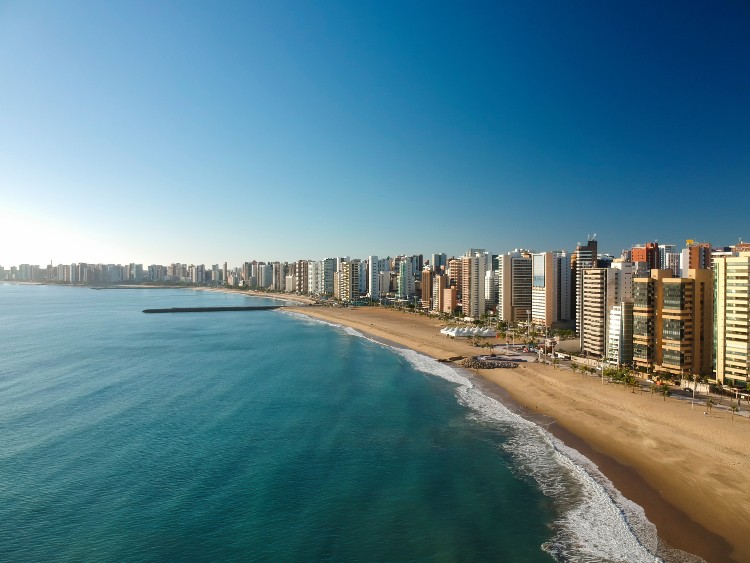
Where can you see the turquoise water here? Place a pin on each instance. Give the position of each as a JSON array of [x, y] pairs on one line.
[[267, 436]]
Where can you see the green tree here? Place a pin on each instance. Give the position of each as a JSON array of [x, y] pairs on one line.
[[631, 382], [710, 404], [665, 391], [734, 409]]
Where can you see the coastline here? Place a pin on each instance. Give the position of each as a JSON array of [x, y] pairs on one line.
[[685, 469]]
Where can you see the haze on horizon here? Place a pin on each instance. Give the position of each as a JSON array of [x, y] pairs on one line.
[[157, 132]]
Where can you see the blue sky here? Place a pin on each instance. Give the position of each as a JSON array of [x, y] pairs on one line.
[[202, 132]]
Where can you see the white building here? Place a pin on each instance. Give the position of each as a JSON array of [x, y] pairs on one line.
[[472, 285], [290, 284], [313, 277], [373, 277], [550, 288], [490, 285], [731, 276], [607, 298], [620, 333], [405, 280]]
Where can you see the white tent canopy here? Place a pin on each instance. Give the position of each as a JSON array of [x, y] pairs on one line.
[[466, 331]]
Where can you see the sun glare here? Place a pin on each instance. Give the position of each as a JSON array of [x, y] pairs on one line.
[[34, 240]]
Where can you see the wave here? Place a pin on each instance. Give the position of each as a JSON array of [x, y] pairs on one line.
[[596, 521]]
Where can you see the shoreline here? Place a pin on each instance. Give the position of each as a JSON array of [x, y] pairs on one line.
[[649, 449]]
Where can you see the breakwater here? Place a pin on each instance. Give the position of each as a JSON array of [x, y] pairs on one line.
[[212, 309]]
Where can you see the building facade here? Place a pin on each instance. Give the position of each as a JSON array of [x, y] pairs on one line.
[[672, 323], [732, 319]]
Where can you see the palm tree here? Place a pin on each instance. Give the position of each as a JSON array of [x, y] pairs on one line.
[[555, 362], [719, 391], [734, 409], [573, 367], [632, 382], [710, 404], [665, 391]]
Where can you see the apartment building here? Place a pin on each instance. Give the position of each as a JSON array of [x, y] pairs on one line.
[[373, 277], [472, 278], [438, 288], [426, 287], [348, 281], [585, 256], [672, 322], [600, 292], [550, 288], [732, 318]]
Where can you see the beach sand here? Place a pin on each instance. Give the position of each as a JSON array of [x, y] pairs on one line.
[[686, 469]]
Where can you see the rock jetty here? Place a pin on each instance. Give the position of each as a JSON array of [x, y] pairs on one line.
[[475, 362]]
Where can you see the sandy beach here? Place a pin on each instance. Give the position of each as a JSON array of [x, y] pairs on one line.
[[686, 469]]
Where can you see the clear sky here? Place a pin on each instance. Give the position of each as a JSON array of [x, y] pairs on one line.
[[201, 132]]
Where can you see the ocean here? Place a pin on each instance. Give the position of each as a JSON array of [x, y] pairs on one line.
[[268, 436]]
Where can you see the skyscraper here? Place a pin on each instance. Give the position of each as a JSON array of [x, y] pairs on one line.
[[405, 280], [550, 288], [472, 276], [373, 277], [672, 322], [585, 256]]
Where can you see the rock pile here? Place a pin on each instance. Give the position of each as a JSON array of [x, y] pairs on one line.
[[475, 363]]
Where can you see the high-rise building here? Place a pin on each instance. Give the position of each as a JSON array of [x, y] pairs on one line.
[[606, 313], [472, 278], [426, 282], [197, 273], [278, 276], [454, 275], [450, 300], [648, 253], [520, 287], [349, 281], [439, 262], [405, 280], [550, 288], [695, 256], [732, 318], [672, 322], [585, 256], [438, 286], [600, 293], [373, 277], [620, 333], [687, 324], [503, 290], [301, 277], [313, 277], [327, 270], [265, 277], [490, 285]]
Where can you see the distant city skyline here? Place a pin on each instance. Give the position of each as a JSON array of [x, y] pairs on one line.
[[194, 133]]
